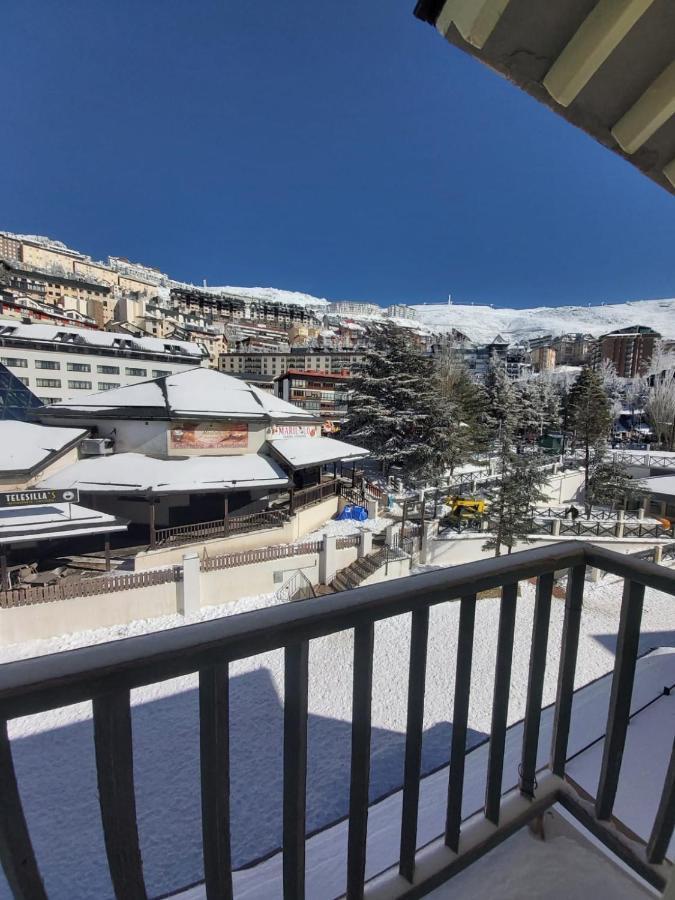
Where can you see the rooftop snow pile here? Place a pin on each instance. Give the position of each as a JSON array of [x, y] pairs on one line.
[[194, 394], [58, 520], [26, 447], [59, 334], [483, 323], [299, 452], [133, 473]]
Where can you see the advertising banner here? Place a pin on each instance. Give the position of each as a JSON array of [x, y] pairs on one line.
[[209, 436]]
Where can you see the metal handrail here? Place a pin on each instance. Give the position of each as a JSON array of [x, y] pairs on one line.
[[107, 673]]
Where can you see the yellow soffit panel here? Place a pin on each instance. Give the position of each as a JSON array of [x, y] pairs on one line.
[[600, 33], [647, 114], [669, 172], [474, 19]]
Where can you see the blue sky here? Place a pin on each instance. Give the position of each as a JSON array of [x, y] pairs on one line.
[[339, 148]]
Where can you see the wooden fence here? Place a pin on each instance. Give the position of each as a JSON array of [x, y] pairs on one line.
[[88, 587]]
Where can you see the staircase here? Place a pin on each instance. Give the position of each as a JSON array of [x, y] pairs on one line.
[[356, 573]]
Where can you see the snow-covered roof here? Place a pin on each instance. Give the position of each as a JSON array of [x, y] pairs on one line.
[[58, 520], [134, 473], [65, 334], [26, 447], [195, 394], [660, 485], [300, 452]]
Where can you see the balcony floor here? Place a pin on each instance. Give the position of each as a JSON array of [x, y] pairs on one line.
[[565, 865]]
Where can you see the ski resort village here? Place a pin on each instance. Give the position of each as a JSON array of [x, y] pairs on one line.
[[307, 597]]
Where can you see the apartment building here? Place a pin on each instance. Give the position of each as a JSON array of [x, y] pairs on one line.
[[572, 349], [228, 307], [353, 308], [319, 393], [629, 349], [27, 310], [543, 358], [276, 363], [400, 311], [58, 362]]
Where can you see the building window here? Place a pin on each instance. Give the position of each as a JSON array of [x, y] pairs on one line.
[[47, 364], [159, 373], [138, 373], [78, 367], [14, 361], [108, 370], [46, 401], [48, 382], [80, 385], [107, 385], [24, 381]]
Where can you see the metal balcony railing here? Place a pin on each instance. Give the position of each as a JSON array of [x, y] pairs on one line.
[[107, 673]]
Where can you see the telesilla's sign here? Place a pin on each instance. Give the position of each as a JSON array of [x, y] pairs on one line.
[[38, 498]]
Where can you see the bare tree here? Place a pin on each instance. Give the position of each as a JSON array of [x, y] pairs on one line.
[[661, 408]]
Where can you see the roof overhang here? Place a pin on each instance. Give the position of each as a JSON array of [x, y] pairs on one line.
[[309, 452], [607, 66], [31, 524]]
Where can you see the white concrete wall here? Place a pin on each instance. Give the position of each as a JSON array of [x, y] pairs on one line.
[[228, 585], [564, 488], [45, 620], [467, 548]]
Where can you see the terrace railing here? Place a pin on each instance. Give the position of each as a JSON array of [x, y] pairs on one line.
[[106, 674], [225, 527], [315, 494]]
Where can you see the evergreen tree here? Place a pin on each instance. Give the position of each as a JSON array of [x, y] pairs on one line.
[[512, 497], [398, 412], [611, 485], [589, 415]]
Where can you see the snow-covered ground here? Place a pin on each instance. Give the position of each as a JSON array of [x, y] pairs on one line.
[[345, 527], [55, 760], [484, 323]]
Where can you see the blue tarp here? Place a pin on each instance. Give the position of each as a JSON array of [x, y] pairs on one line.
[[353, 512]]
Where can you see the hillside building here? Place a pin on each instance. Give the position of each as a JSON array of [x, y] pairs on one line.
[[57, 362], [275, 363], [630, 350], [322, 394], [543, 359]]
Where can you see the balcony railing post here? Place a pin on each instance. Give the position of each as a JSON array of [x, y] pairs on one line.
[[664, 822], [460, 718], [419, 634], [360, 765], [535, 687], [115, 773], [16, 851], [500, 701], [620, 698], [295, 768], [214, 740], [567, 667]]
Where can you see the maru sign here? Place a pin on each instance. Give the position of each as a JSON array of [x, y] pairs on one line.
[[209, 436], [38, 498]]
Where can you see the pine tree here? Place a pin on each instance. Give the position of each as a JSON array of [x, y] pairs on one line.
[[611, 485], [518, 489], [589, 415], [398, 412]]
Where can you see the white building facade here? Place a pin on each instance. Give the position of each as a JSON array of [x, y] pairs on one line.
[[57, 363]]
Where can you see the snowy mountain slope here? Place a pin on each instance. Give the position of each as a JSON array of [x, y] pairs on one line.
[[483, 323], [272, 295]]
